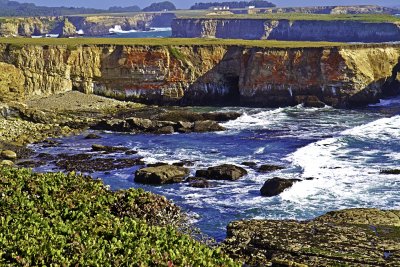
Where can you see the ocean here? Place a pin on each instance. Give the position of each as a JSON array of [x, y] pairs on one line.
[[337, 153]]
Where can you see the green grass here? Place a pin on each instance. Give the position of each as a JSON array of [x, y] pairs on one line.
[[378, 18], [70, 220], [165, 42]]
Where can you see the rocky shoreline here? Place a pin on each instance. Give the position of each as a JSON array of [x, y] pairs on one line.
[[355, 237]]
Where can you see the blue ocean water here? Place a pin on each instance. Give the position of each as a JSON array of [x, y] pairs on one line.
[[342, 150]]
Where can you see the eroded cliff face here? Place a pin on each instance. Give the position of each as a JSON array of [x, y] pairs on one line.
[[90, 25], [203, 75], [301, 30]]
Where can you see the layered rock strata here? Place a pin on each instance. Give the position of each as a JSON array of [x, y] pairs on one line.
[[298, 30], [341, 76]]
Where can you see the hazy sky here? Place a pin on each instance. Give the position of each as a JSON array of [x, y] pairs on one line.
[[187, 3]]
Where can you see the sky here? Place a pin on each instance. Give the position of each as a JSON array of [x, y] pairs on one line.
[[188, 3]]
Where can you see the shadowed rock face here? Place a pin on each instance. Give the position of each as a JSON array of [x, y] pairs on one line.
[[300, 30], [204, 75], [356, 237]]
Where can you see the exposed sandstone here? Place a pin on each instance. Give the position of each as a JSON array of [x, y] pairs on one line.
[[205, 75], [356, 237], [283, 29]]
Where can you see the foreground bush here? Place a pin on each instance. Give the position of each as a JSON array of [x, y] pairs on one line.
[[69, 220]]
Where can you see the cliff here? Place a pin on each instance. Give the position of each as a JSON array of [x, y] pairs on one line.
[[196, 74], [90, 25], [283, 29]]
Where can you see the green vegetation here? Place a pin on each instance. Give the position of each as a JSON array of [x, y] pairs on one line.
[[176, 54], [233, 4], [378, 18], [71, 220], [166, 42], [13, 8], [166, 5]]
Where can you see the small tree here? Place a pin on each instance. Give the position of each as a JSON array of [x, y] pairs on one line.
[[166, 5]]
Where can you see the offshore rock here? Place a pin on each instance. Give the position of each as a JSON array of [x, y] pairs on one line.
[[164, 174], [222, 172], [355, 237], [275, 186]]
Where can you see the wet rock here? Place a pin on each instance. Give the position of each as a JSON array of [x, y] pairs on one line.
[[8, 155], [46, 157], [184, 163], [165, 130], [108, 149], [50, 143], [131, 152], [269, 168], [207, 126], [92, 136], [390, 171], [6, 163], [184, 127], [139, 124], [346, 234], [222, 172], [165, 174], [31, 163], [115, 125], [221, 116], [157, 164], [198, 182], [310, 101], [87, 163], [275, 186], [249, 164]]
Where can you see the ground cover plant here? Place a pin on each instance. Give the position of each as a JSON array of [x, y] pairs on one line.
[[73, 220]]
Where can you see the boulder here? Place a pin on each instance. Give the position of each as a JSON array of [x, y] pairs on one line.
[[207, 126], [108, 149], [390, 171], [8, 155], [269, 168], [140, 124], [92, 136], [222, 172], [249, 164], [222, 116], [198, 182], [275, 186], [165, 174], [165, 130], [310, 101], [6, 163]]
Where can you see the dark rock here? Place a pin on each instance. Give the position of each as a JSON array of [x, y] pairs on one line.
[[115, 125], [50, 143], [249, 164], [92, 136], [46, 157], [346, 234], [390, 171], [165, 130], [269, 168], [221, 116], [184, 163], [198, 182], [131, 152], [222, 172], [157, 164], [310, 101], [207, 126], [165, 174], [139, 124], [31, 163], [275, 186], [108, 149], [184, 127], [86, 163]]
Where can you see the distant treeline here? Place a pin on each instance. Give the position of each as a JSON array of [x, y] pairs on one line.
[[13, 8], [241, 4]]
